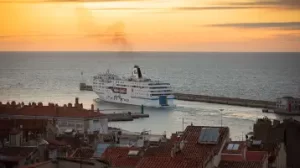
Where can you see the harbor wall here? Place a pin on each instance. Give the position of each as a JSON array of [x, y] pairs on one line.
[[226, 100]]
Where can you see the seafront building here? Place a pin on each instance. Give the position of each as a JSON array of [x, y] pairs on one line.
[[289, 104], [67, 118]]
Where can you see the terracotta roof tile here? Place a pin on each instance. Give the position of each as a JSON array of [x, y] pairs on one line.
[[256, 155], [193, 154], [163, 150], [245, 164], [194, 149], [83, 153], [166, 162], [118, 156], [36, 165]]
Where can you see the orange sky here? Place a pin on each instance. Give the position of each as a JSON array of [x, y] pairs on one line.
[[150, 25]]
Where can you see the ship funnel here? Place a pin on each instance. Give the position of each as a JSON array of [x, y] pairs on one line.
[[137, 72]]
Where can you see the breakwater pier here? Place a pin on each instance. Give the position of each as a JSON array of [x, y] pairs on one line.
[[125, 116], [226, 100], [211, 99]]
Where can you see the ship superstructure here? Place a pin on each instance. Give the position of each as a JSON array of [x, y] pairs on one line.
[[136, 90]]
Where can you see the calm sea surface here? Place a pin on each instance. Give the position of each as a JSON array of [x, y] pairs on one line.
[[54, 77]]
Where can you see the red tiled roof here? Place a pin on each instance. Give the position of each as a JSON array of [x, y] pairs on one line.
[[192, 153], [234, 155], [36, 165], [245, 164], [169, 162], [83, 153], [52, 111], [193, 149], [118, 156], [256, 155], [163, 150]]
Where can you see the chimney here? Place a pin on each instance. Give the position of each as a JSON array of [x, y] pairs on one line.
[[81, 106], [33, 104], [22, 104], [172, 153], [98, 111], [8, 104], [245, 152], [40, 104], [0, 103], [92, 107], [70, 105], [29, 104], [181, 145], [76, 101]]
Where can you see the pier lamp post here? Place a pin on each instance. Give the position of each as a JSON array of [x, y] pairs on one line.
[[221, 116], [142, 109]]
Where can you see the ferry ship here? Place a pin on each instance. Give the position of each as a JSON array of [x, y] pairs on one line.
[[135, 90]]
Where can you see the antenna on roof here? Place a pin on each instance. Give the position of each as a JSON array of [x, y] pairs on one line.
[[182, 124]]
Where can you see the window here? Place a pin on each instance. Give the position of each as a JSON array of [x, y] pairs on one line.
[[233, 146]]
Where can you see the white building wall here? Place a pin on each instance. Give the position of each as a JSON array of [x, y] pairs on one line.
[[76, 124], [280, 161], [282, 103], [98, 124]]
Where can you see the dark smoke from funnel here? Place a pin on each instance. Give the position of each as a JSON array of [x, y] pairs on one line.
[[119, 36], [114, 34]]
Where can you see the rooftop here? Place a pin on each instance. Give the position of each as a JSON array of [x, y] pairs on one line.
[[122, 156], [84, 152], [39, 110], [166, 162], [198, 144], [245, 164], [234, 147]]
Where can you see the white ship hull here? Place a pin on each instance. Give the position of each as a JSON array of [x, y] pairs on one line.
[[116, 98], [136, 90]]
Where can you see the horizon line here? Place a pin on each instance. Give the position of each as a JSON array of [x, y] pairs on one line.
[[3, 51]]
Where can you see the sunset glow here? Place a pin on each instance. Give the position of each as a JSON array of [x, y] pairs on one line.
[[149, 25]]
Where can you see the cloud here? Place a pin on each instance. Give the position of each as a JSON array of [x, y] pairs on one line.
[[169, 10], [104, 9], [49, 1], [289, 4], [110, 35], [292, 37], [271, 25], [212, 8]]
